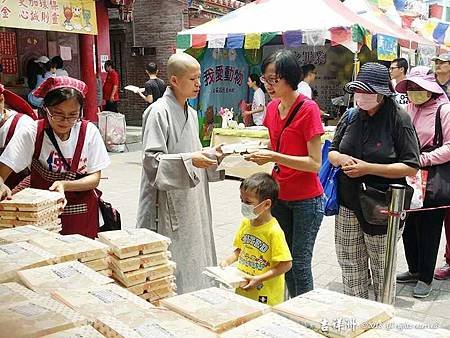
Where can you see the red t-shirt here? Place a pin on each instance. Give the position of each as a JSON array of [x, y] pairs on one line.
[[295, 185], [112, 79]]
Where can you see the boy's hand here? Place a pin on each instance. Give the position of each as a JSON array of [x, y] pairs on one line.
[[253, 281], [223, 264]]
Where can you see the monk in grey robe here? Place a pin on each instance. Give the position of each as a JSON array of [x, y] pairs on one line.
[[174, 195]]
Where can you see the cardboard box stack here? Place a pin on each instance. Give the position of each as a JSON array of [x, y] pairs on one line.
[[334, 314], [24, 313], [21, 255], [71, 275], [216, 309], [23, 234], [77, 332], [76, 247], [32, 206], [141, 263]]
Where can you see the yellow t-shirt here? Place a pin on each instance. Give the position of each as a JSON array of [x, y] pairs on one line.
[[262, 248]]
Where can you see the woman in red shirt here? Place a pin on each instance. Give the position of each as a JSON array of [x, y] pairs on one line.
[[295, 129]]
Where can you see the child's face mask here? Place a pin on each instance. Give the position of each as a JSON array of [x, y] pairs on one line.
[[248, 211]]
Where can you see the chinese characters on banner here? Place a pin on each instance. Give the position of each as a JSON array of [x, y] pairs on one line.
[[75, 16], [8, 52], [224, 84]]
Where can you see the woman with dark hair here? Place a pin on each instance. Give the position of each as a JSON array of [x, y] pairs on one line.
[[56, 65], [35, 76], [295, 130], [375, 145], [423, 228], [258, 108], [68, 154]]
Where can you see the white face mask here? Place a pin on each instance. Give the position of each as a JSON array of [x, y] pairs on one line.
[[366, 101], [248, 211]]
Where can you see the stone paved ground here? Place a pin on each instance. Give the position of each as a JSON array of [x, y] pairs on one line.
[[122, 186]]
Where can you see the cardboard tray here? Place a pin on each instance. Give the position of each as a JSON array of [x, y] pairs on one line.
[[151, 285], [109, 299], [147, 274], [217, 309], [270, 325], [33, 216], [46, 223], [32, 200], [155, 323], [63, 276], [73, 247], [35, 318], [19, 256], [159, 293], [141, 261], [134, 242], [98, 264], [77, 332], [23, 234], [14, 293], [322, 310]]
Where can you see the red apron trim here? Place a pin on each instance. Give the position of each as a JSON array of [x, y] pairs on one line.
[[12, 128]]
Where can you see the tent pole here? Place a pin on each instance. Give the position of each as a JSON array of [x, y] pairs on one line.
[[355, 65]]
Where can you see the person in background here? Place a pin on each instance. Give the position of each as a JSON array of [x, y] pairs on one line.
[[295, 148], [174, 191], [423, 229], [111, 88], [154, 87], [35, 76], [397, 71], [309, 76], [56, 67], [99, 92], [16, 114], [258, 108], [442, 70], [65, 153], [375, 145], [265, 282]]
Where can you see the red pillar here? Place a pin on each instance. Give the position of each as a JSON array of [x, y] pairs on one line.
[[87, 60]]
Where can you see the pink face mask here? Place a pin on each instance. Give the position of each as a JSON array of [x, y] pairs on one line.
[[366, 101]]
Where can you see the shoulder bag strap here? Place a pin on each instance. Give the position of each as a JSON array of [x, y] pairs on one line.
[[12, 128], [438, 140], [288, 122]]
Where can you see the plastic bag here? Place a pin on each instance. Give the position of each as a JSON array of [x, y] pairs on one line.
[[113, 129], [328, 176], [419, 184]]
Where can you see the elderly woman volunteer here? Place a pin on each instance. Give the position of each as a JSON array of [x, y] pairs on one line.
[[66, 154], [15, 114], [375, 145], [295, 129], [423, 229]]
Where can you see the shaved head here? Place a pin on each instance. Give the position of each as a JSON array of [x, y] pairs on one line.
[[180, 63]]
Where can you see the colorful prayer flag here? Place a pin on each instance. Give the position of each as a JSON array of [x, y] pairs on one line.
[[252, 41], [183, 41], [386, 47], [235, 41], [292, 39]]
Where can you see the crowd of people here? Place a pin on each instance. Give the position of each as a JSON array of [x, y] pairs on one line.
[[387, 136]]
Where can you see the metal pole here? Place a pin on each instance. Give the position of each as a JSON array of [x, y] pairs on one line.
[[394, 218]]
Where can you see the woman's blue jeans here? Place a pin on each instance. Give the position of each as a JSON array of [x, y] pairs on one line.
[[300, 221]]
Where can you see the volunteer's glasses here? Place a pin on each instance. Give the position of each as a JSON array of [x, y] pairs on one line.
[[62, 118], [272, 81]]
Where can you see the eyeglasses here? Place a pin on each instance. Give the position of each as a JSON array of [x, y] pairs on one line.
[[269, 81], [62, 118], [392, 68]]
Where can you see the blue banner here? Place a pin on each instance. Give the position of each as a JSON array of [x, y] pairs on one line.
[[224, 84]]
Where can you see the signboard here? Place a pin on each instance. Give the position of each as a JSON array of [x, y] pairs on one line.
[[74, 16], [9, 65], [8, 43], [224, 84]]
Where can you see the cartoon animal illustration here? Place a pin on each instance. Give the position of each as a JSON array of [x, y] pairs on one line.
[[208, 125], [77, 20], [68, 14], [87, 17]]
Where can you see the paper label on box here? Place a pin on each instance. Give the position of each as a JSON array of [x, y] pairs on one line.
[[25, 230], [68, 239], [106, 296], [273, 330], [65, 271], [12, 249], [29, 310], [151, 329]]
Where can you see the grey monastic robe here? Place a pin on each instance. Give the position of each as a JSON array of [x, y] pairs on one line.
[[174, 196]]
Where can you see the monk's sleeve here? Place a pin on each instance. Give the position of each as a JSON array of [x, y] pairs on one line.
[[165, 171]]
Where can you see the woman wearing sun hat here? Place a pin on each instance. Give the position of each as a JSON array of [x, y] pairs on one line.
[[66, 154], [375, 145], [423, 229]]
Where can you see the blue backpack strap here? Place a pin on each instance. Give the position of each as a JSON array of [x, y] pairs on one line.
[[351, 113]]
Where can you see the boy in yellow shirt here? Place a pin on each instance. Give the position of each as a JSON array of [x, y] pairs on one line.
[[261, 249]]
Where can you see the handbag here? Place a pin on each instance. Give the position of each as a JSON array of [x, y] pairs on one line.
[[374, 201], [437, 191], [328, 176], [111, 217]]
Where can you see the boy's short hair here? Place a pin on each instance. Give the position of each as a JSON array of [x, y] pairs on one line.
[[263, 185], [151, 67]]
